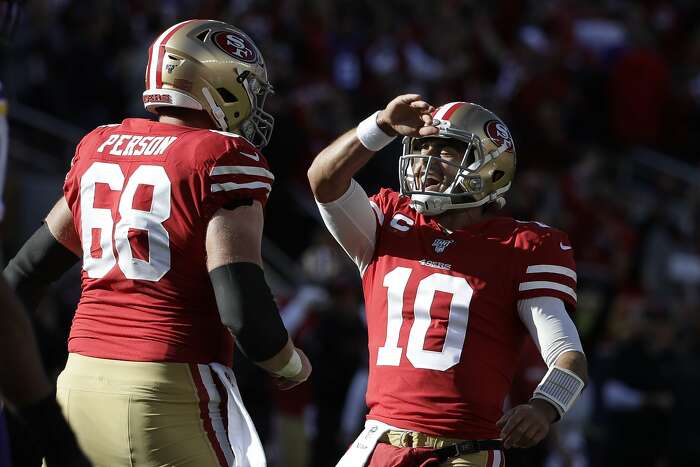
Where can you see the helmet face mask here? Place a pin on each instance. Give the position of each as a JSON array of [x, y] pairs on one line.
[[258, 127], [477, 173], [442, 174], [211, 66]]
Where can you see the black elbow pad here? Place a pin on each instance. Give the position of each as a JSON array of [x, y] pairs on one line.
[[247, 308], [41, 260]]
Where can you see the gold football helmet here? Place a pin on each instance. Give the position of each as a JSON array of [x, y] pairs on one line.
[[481, 175], [212, 66]]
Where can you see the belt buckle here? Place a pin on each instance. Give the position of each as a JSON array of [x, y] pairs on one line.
[[465, 447], [407, 439]]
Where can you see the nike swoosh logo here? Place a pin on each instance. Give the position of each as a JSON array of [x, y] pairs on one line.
[[255, 157], [564, 247]]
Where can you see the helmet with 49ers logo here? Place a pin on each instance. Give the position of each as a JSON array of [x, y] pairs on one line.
[[212, 66], [480, 173]]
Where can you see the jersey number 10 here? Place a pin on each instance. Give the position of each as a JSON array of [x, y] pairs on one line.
[[390, 353], [99, 221]]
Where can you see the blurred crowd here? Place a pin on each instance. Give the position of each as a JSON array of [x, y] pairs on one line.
[[603, 100]]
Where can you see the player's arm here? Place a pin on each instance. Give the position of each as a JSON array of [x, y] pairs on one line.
[[555, 335], [23, 382], [333, 168], [22, 378], [45, 256], [343, 204], [244, 300]]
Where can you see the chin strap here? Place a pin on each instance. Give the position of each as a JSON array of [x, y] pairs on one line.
[[216, 111]]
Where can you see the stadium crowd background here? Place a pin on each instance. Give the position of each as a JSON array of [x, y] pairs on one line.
[[602, 98]]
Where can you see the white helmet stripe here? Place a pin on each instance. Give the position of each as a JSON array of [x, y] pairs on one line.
[[446, 109], [155, 51]]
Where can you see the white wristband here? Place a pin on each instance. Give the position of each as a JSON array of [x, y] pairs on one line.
[[370, 135], [292, 368], [560, 387]]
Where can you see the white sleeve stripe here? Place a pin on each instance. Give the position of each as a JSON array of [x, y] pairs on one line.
[[377, 211], [230, 186], [535, 285], [551, 268], [241, 170]]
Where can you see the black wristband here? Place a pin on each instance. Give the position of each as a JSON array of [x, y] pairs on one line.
[[247, 308], [41, 260]]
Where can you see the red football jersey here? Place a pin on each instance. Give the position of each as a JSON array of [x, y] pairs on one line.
[[142, 193], [444, 330]]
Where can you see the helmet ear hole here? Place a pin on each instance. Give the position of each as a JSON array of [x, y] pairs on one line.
[[202, 36], [497, 174], [226, 95]]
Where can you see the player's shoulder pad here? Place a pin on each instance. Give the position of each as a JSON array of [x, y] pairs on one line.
[[386, 201], [93, 135], [532, 235], [98, 130], [213, 147]]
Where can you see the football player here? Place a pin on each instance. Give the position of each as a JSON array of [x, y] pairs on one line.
[[23, 382], [28, 391], [167, 218], [450, 290]]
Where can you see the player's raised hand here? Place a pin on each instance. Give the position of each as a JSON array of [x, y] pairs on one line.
[[303, 375], [525, 425], [407, 115]]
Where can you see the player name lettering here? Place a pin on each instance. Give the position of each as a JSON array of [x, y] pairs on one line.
[[160, 97], [435, 264], [136, 145]]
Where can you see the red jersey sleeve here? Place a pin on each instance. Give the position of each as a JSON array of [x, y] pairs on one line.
[[548, 268], [71, 184], [239, 172]]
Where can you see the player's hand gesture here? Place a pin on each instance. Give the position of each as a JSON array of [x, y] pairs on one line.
[[303, 375], [407, 115], [526, 425]]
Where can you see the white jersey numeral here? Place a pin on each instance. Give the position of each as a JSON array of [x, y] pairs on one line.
[[99, 221], [390, 353]]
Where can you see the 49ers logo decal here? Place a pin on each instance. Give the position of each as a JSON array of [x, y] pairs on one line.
[[236, 45], [499, 134]]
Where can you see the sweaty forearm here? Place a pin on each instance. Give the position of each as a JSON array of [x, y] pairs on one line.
[[574, 362], [333, 168], [40, 261]]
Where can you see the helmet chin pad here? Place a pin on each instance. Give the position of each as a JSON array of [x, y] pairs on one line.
[[430, 205], [433, 205]]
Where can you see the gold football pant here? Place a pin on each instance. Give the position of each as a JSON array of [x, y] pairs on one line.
[[406, 439], [145, 414]]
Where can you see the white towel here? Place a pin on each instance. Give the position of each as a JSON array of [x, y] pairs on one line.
[[358, 454], [242, 435]]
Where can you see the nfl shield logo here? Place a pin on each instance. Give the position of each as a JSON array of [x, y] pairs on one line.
[[440, 244]]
